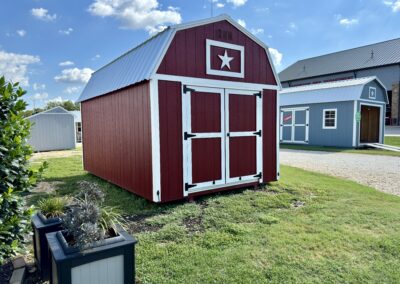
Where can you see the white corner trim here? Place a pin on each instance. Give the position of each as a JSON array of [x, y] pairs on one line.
[[277, 133], [355, 124], [323, 118], [155, 140], [210, 71]]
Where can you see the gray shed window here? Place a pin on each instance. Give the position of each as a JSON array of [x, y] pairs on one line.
[[329, 119]]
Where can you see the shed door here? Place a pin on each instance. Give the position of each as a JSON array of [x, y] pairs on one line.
[[222, 139], [243, 135], [204, 138], [369, 128], [294, 125]]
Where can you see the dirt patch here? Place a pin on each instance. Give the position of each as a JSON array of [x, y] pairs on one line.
[[138, 224], [195, 224], [46, 187]]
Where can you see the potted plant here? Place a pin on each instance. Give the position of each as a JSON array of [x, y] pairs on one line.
[[93, 247], [46, 220]]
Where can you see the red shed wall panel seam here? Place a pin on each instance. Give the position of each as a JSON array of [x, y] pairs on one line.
[[186, 55], [269, 135], [117, 138]]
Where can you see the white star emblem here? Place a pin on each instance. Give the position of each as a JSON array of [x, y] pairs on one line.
[[225, 60]]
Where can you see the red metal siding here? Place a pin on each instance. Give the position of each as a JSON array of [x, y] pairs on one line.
[[117, 138], [186, 56], [269, 135], [171, 151]]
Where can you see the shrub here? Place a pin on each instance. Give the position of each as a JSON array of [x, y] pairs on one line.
[[53, 206], [15, 175]]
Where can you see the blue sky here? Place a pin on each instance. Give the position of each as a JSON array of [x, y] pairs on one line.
[[52, 46]]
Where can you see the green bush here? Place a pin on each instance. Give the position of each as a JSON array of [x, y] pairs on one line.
[[15, 175]]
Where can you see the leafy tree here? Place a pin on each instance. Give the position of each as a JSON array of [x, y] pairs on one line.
[[15, 175], [68, 105], [30, 112]]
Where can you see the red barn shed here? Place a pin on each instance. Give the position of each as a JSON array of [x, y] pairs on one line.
[[190, 111]]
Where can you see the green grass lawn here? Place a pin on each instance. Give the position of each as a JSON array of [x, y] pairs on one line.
[[343, 233], [392, 140], [342, 150]]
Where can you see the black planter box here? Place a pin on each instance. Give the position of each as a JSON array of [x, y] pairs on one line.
[[41, 226], [108, 261]]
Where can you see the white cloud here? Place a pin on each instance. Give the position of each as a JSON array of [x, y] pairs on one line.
[[136, 14], [40, 96], [72, 90], [38, 87], [276, 56], [74, 75], [220, 5], [56, 99], [21, 33], [14, 66], [66, 31], [237, 3], [348, 22], [241, 22], [292, 28], [257, 31], [66, 63], [395, 5], [43, 14], [97, 56]]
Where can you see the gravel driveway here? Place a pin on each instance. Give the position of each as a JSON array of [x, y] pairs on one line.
[[380, 172]]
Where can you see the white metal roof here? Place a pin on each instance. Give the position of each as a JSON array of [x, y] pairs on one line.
[[141, 63], [344, 90]]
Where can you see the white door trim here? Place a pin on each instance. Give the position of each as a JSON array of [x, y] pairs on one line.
[[192, 81], [187, 144], [259, 154], [380, 122], [294, 124]]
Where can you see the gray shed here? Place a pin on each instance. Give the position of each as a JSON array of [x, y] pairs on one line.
[[347, 113], [53, 129]]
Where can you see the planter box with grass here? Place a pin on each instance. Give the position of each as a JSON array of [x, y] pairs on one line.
[[111, 260], [41, 226]]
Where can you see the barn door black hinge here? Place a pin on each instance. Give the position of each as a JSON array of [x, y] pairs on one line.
[[257, 133], [259, 175], [188, 186], [186, 89], [186, 135], [258, 94]]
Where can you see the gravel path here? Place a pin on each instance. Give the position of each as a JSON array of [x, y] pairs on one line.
[[380, 172]]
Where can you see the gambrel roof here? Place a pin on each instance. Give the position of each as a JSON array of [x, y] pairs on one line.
[[344, 90], [141, 63]]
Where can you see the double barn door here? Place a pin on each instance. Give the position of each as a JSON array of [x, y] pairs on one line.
[[222, 138]]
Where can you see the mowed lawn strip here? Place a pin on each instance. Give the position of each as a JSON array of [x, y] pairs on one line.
[[308, 228], [392, 140]]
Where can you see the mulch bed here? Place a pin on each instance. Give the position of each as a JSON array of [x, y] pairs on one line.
[[6, 271]]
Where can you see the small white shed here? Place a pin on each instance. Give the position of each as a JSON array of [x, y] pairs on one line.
[[53, 129]]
